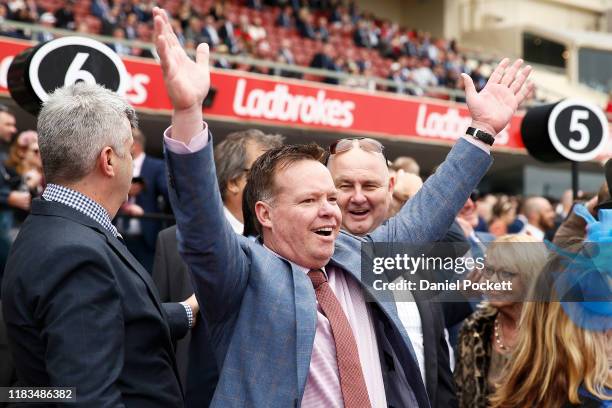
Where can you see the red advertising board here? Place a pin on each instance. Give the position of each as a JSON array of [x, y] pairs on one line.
[[277, 101]]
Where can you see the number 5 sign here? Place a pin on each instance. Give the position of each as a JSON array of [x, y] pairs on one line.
[[568, 130], [38, 71], [578, 129]]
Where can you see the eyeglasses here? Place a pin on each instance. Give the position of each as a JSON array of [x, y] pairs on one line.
[[502, 274], [365, 143]]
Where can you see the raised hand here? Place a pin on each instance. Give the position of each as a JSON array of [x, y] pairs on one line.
[[493, 107], [187, 81]]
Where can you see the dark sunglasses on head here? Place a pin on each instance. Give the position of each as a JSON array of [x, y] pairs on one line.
[[365, 143]]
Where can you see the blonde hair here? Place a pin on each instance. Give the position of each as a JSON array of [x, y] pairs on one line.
[[553, 357], [526, 259]]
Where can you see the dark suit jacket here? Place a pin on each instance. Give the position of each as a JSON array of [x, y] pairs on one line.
[[154, 175], [81, 311], [440, 383], [194, 356]]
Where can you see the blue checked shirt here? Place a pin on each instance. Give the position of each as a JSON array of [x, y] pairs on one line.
[[81, 203]]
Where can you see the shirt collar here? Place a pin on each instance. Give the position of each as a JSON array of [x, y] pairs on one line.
[[137, 163], [296, 266], [534, 231], [81, 203], [237, 226]]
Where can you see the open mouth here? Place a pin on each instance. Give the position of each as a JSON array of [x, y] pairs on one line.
[[359, 213], [325, 232]]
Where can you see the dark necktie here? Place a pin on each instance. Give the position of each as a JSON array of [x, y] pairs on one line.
[[352, 382]]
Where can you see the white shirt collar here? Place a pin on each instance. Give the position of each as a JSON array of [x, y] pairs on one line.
[[534, 231], [237, 226], [138, 161]]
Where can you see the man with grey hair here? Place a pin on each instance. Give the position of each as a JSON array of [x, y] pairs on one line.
[[80, 310], [233, 159]]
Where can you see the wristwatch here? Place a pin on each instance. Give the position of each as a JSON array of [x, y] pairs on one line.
[[481, 135]]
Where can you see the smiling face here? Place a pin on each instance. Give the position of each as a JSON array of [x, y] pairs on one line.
[[364, 189], [302, 220]]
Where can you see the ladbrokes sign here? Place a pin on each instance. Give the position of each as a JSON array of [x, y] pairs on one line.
[[280, 104], [260, 99]]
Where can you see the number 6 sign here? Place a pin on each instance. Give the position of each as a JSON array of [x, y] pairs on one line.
[[38, 71]]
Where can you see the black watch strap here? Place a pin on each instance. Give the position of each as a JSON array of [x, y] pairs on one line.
[[481, 135]]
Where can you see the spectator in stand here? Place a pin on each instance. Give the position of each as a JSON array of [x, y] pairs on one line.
[[361, 36], [144, 35], [227, 33], [488, 337], [130, 26], [478, 77], [285, 53], [285, 56], [321, 32], [118, 47], [46, 20], [285, 18], [559, 362], [178, 29], [256, 31], [221, 61], [305, 25], [324, 59], [209, 32], [255, 4], [194, 30], [540, 217], [398, 75], [504, 214], [423, 77]]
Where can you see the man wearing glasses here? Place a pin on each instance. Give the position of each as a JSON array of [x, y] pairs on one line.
[[289, 323]]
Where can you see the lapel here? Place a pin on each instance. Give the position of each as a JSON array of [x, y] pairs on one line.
[[430, 343], [344, 258], [50, 208], [305, 321], [128, 258]]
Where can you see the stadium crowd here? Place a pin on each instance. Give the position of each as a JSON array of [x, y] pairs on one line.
[[329, 35], [258, 296]]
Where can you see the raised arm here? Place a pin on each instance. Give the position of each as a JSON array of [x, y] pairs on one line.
[[187, 81], [206, 241], [427, 216]]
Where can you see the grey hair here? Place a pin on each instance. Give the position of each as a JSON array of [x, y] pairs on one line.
[[76, 123], [230, 155]]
